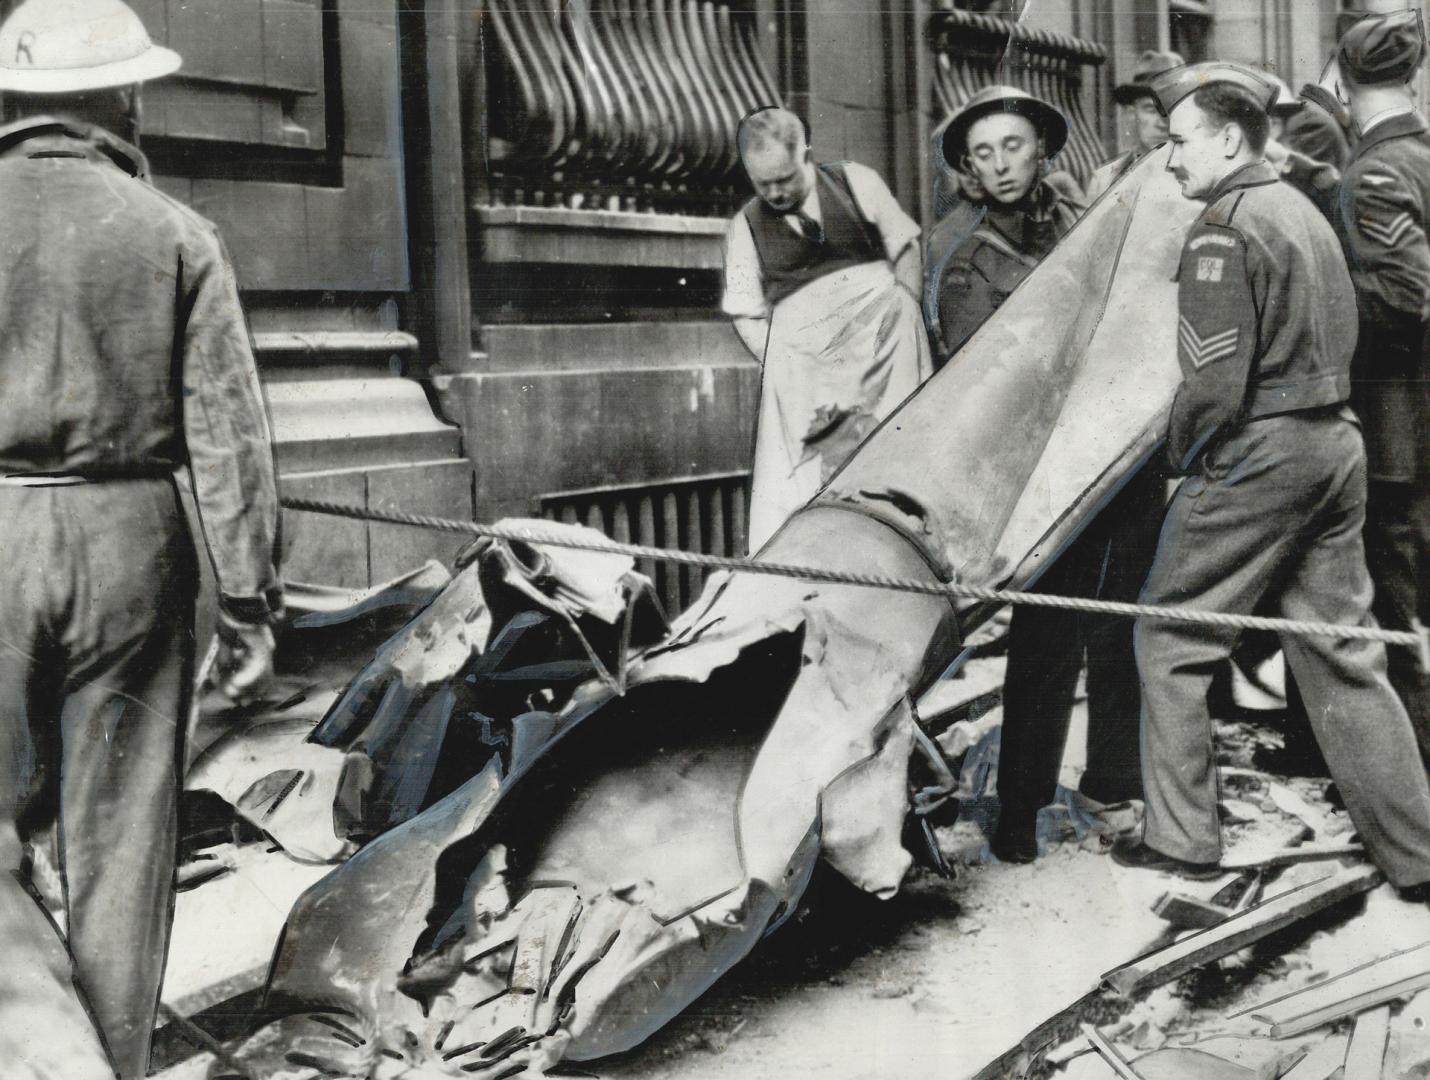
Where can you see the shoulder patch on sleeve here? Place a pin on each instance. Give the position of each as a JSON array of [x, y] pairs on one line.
[[1220, 239], [1212, 274]]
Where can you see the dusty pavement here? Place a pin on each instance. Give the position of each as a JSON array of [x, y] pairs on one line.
[[942, 978], [948, 975]]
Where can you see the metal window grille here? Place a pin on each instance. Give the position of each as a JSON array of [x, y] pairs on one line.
[[705, 514]]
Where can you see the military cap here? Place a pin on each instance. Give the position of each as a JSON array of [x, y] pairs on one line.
[[1048, 121], [1382, 48], [1150, 63], [1286, 103], [1174, 85]]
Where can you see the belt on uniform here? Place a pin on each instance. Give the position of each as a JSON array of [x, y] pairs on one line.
[[68, 479]]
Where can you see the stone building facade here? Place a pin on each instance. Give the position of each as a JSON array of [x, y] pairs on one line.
[[480, 242]]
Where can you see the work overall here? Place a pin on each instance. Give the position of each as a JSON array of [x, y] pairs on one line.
[[124, 357]]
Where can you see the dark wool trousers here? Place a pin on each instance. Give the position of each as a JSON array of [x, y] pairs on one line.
[[1278, 512]]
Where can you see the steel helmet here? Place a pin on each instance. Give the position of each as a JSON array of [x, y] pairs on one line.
[[1046, 120], [69, 46]]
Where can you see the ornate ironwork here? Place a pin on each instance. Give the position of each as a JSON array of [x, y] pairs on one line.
[[619, 104], [972, 50]]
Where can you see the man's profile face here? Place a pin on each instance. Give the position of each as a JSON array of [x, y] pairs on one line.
[[781, 178], [1199, 158], [1148, 122], [1004, 153]]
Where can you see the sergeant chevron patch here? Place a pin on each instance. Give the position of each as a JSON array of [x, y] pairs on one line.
[[1201, 351], [1388, 234]]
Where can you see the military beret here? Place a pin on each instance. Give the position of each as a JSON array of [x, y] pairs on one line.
[[1174, 85], [1382, 48]]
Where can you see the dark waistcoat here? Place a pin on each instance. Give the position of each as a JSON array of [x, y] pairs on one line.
[[788, 261]]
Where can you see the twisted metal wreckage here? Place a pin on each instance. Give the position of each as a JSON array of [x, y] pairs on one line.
[[554, 864]]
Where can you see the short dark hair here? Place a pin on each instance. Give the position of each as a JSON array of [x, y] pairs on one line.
[[1225, 103]]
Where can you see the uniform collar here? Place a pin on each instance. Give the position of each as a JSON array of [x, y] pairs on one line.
[[47, 133], [1040, 205], [1255, 174], [1033, 225], [1394, 127]]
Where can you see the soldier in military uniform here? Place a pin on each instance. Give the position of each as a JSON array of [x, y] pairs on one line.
[[1273, 501], [1148, 124], [1385, 217], [1003, 137]]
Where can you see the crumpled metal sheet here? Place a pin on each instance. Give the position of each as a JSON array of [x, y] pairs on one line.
[[517, 629], [777, 709], [1050, 406], [282, 784]]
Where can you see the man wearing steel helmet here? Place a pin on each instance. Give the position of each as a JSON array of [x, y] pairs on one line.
[[1148, 124], [1385, 222], [1003, 137], [1273, 499], [124, 356]]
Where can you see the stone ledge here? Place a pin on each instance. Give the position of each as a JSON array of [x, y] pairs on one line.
[[352, 423], [297, 344], [586, 346], [550, 234]]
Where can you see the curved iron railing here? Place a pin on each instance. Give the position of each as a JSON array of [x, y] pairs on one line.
[[972, 50], [619, 104]]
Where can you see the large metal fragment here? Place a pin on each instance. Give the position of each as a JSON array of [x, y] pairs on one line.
[[649, 840]]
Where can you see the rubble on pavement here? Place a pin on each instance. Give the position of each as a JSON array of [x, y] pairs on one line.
[[556, 826]]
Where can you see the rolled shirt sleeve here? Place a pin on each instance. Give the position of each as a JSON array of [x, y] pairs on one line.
[[226, 430], [879, 206], [744, 296]]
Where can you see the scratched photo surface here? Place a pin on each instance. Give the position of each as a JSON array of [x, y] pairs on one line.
[[694, 539]]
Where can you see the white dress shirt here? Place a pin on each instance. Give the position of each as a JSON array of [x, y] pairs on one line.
[[744, 285]]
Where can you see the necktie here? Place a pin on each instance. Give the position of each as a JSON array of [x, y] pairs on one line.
[[811, 229]]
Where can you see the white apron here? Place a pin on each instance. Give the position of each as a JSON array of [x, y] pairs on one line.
[[843, 352]]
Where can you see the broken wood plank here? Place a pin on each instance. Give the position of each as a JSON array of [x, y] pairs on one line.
[[1240, 930], [1365, 1057], [1290, 855], [1109, 1054], [1037, 1041], [1364, 987], [1189, 912], [1324, 1058]]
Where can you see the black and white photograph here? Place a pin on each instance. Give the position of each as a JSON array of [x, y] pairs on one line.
[[714, 540]]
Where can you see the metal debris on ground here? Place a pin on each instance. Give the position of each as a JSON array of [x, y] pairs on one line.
[[561, 821]]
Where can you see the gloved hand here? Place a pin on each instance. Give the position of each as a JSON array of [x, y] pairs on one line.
[[245, 657]]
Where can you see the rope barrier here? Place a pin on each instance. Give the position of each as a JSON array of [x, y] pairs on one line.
[[522, 534]]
